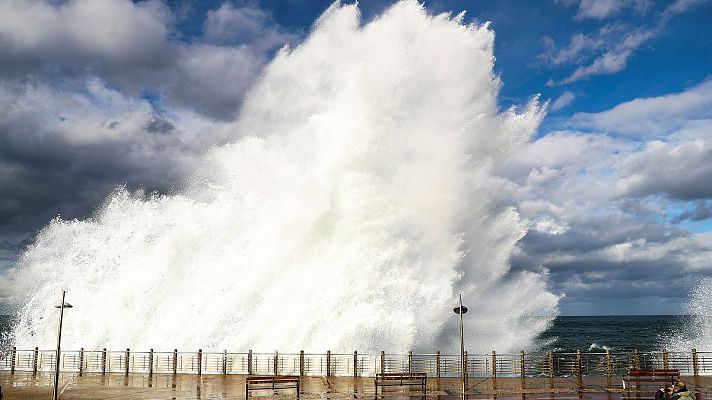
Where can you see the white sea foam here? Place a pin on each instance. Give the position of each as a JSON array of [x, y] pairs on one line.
[[354, 205], [596, 346]]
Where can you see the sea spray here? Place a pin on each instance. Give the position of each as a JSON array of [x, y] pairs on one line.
[[353, 206], [695, 333]]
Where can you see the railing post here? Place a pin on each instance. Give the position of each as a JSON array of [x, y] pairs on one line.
[[410, 362], [383, 362], [81, 361], [608, 363], [127, 363], [665, 359], [355, 364], [103, 361], [13, 358], [224, 362], [150, 362], [437, 364], [494, 365], [175, 362], [551, 364], [200, 362], [494, 369], [301, 363], [695, 363], [275, 362], [328, 363], [521, 366], [636, 359], [579, 368], [34, 361], [249, 362]]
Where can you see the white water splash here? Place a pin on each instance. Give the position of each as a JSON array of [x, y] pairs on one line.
[[697, 334], [354, 205]]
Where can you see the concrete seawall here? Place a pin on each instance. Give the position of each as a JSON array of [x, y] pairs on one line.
[[24, 385]]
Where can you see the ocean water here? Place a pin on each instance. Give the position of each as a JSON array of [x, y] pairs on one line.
[[615, 333], [585, 333]]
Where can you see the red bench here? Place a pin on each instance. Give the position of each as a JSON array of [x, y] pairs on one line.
[[401, 379], [269, 382], [653, 376]]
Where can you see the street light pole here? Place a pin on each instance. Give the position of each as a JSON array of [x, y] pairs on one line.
[[61, 307], [463, 367]]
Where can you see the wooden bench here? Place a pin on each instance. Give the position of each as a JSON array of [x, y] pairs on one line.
[[400, 379], [271, 382], [653, 376]]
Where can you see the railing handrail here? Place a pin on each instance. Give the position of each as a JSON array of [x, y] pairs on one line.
[[546, 363]]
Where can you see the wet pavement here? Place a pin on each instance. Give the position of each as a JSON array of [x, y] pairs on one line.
[[23, 385]]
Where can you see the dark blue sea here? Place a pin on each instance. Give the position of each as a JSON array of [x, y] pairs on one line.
[[588, 333], [615, 333]]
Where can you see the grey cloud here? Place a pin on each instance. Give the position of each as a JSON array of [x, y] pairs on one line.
[[9, 249], [586, 235], [63, 38], [679, 171], [213, 80], [248, 25], [599, 205], [131, 47], [158, 124], [67, 166], [73, 123], [606, 258]]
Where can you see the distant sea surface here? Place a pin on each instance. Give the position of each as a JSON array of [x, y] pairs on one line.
[[615, 333], [590, 333]]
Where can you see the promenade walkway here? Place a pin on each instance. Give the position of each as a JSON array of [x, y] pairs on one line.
[[25, 386]]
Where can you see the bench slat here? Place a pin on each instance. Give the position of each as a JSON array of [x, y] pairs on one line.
[[401, 379], [271, 383]]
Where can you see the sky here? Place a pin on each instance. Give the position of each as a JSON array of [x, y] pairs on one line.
[[616, 185]]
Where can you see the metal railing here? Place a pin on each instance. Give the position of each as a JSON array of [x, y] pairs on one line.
[[551, 364]]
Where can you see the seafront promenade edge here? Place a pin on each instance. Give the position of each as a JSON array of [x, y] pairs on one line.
[[28, 374], [26, 385]]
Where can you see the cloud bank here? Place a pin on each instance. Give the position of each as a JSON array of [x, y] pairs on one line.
[[100, 94], [606, 196]]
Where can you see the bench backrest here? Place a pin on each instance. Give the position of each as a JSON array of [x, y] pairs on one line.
[[662, 373], [270, 379], [397, 375]]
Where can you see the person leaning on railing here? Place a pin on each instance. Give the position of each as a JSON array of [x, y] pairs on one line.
[[678, 391]]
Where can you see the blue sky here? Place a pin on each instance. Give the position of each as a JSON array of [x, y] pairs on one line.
[[616, 184]]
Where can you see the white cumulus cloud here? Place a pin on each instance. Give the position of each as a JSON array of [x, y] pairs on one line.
[[653, 116]]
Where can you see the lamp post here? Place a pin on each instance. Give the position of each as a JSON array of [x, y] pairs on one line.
[[461, 310], [61, 307]]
